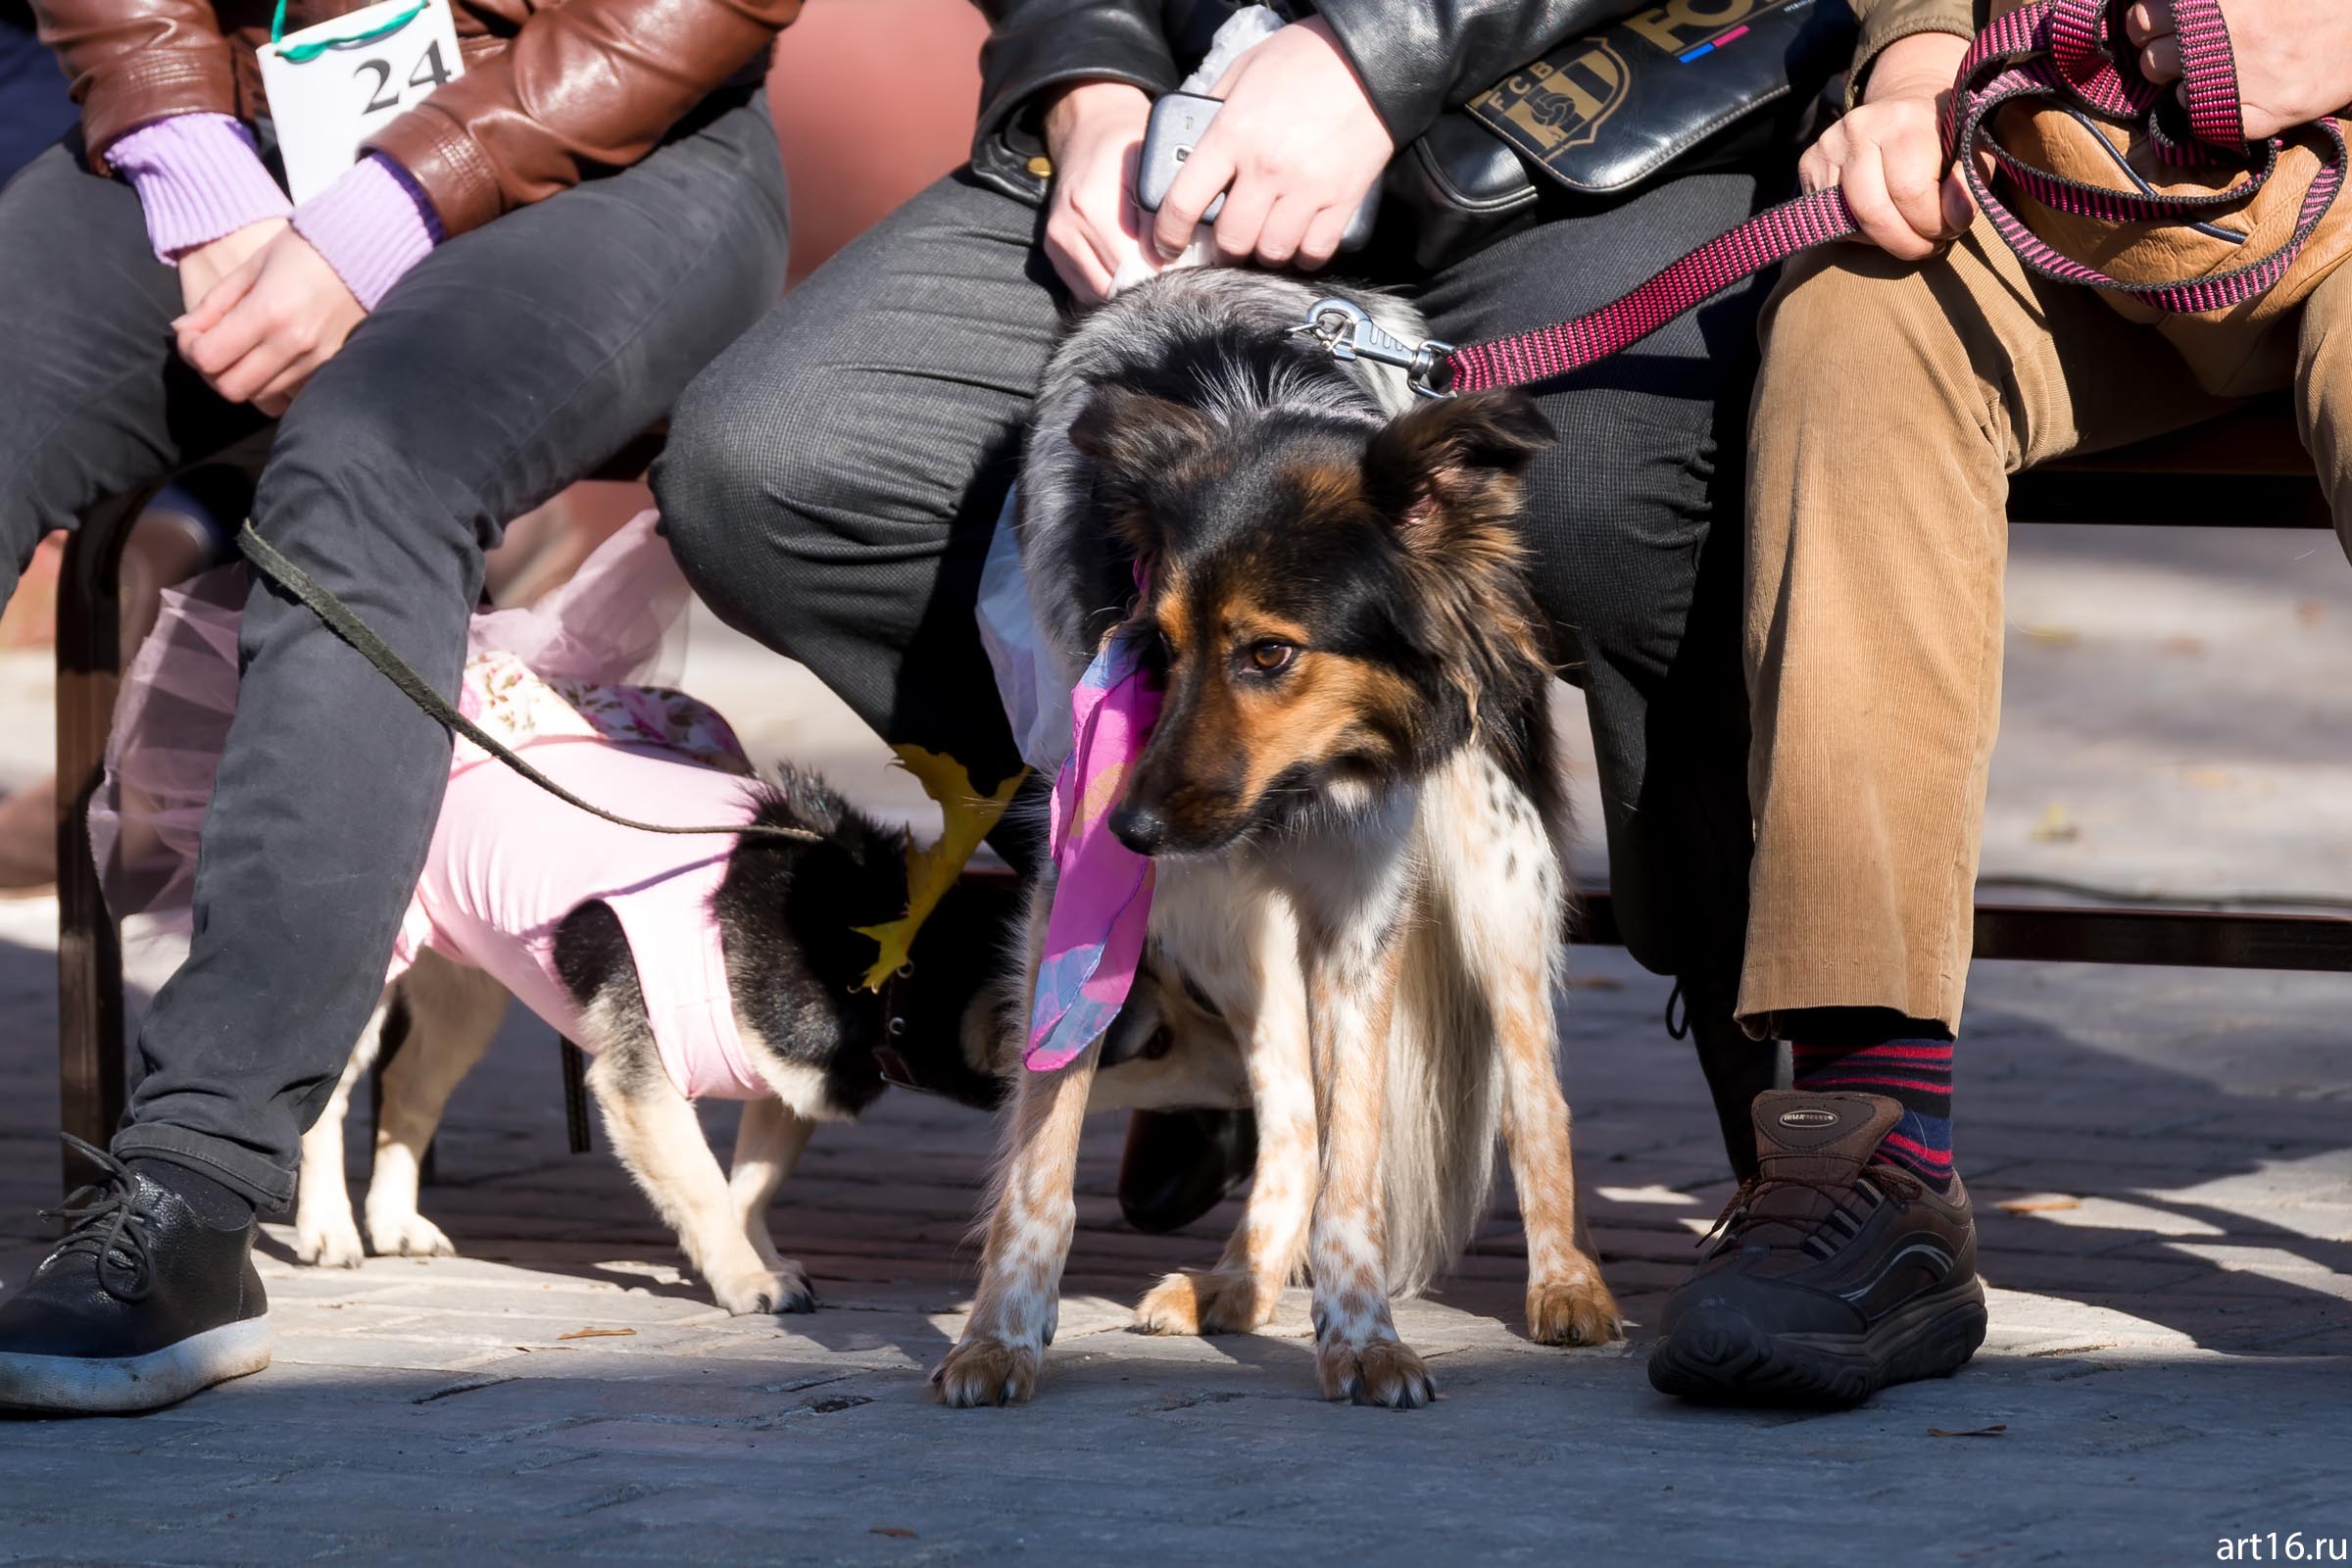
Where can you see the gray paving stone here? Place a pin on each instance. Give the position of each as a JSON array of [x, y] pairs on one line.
[[2170, 1362]]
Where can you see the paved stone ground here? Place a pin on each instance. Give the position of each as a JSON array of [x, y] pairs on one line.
[[2170, 1359]]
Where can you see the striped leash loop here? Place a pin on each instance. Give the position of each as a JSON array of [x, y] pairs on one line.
[[2069, 53]]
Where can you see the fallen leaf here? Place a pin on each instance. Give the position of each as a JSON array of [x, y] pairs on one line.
[[965, 817], [1993, 1431], [2038, 1206], [2311, 611], [2053, 636], [2056, 827], [2184, 645], [597, 1334], [894, 1532]]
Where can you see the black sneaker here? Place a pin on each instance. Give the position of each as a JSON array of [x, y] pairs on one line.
[[142, 1304], [1828, 1277]]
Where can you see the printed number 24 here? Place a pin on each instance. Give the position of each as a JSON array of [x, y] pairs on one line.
[[429, 74]]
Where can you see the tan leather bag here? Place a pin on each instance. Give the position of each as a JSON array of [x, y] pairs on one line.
[[2237, 349]]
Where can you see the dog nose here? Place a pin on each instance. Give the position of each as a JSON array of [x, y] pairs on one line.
[[1139, 827]]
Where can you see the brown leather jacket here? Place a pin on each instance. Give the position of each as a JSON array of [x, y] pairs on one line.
[[551, 91]]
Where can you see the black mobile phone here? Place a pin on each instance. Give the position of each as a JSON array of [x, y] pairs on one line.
[[1178, 123]]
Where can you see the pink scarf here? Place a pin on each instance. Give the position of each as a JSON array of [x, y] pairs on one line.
[[1102, 893]]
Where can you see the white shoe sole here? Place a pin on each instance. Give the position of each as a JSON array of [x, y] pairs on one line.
[[68, 1384]]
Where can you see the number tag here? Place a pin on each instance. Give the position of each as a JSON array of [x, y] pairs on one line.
[[332, 86]]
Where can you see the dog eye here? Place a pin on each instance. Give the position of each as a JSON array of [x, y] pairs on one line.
[[1270, 656]]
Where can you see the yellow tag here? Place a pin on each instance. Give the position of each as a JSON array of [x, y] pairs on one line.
[[965, 817]]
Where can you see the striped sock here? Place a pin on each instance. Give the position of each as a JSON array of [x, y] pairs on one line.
[[1917, 1074]]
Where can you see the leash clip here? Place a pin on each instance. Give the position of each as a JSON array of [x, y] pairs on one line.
[[1348, 332]]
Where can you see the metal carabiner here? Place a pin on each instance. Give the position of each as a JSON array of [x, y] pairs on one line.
[[1348, 332]]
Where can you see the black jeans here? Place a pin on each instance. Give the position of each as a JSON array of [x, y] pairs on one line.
[[832, 481], [507, 364]]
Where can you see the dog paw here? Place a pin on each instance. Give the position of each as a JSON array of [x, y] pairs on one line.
[[759, 1291], [1382, 1372], [980, 1372], [409, 1234], [1578, 1310], [329, 1244], [1205, 1302]]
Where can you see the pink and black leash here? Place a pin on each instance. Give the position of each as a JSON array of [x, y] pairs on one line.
[[2061, 52]]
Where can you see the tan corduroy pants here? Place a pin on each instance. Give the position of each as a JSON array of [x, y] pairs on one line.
[[1894, 402]]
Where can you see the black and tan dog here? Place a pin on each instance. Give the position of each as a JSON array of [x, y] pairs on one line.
[[1352, 799], [823, 1045]]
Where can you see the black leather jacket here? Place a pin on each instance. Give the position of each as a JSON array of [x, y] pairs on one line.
[[1417, 56]]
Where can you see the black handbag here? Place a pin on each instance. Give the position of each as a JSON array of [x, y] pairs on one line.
[[1683, 85]]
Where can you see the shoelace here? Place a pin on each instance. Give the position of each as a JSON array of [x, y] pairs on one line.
[[1894, 1184], [106, 1220]]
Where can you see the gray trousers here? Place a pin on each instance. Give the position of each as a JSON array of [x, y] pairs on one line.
[[832, 481], [507, 364]]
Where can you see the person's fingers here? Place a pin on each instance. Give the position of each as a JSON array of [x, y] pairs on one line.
[[1874, 210], [2160, 58], [226, 294], [1073, 258], [1243, 219], [1134, 222], [274, 398], [1914, 183], [1206, 172], [1124, 239], [2148, 19], [1322, 239], [244, 380], [1959, 203], [1285, 228], [228, 340], [1101, 220], [1820, 165]]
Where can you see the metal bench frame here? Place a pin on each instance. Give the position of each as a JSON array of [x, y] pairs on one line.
[[2247, 469]]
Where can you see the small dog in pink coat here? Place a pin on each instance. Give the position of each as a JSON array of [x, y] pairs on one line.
[[688, 967]]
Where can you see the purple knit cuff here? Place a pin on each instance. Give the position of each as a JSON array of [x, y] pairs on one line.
[[199, 176], [371, 226]]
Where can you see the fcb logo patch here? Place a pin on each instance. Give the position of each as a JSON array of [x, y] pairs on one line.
[[1602, 112]]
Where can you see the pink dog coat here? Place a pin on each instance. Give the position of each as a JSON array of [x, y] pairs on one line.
[[508, 863], [562, 681]]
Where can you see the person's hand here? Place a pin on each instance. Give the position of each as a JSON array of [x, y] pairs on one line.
[[1297, 142], [1887, 154], [208, 264], [264, 329], [1095, 132], [2294, 57]]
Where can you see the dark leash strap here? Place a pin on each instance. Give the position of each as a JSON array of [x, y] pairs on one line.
[[339, 619], [2070, 53], [575, 1095]]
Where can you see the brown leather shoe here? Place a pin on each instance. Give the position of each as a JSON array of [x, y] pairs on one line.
[[1828, 1277]]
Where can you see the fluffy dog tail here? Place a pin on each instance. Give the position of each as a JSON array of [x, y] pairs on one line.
[[1445, 1108]]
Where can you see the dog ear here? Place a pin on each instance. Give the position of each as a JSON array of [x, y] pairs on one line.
[[1454, 456], [1136, 435]]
